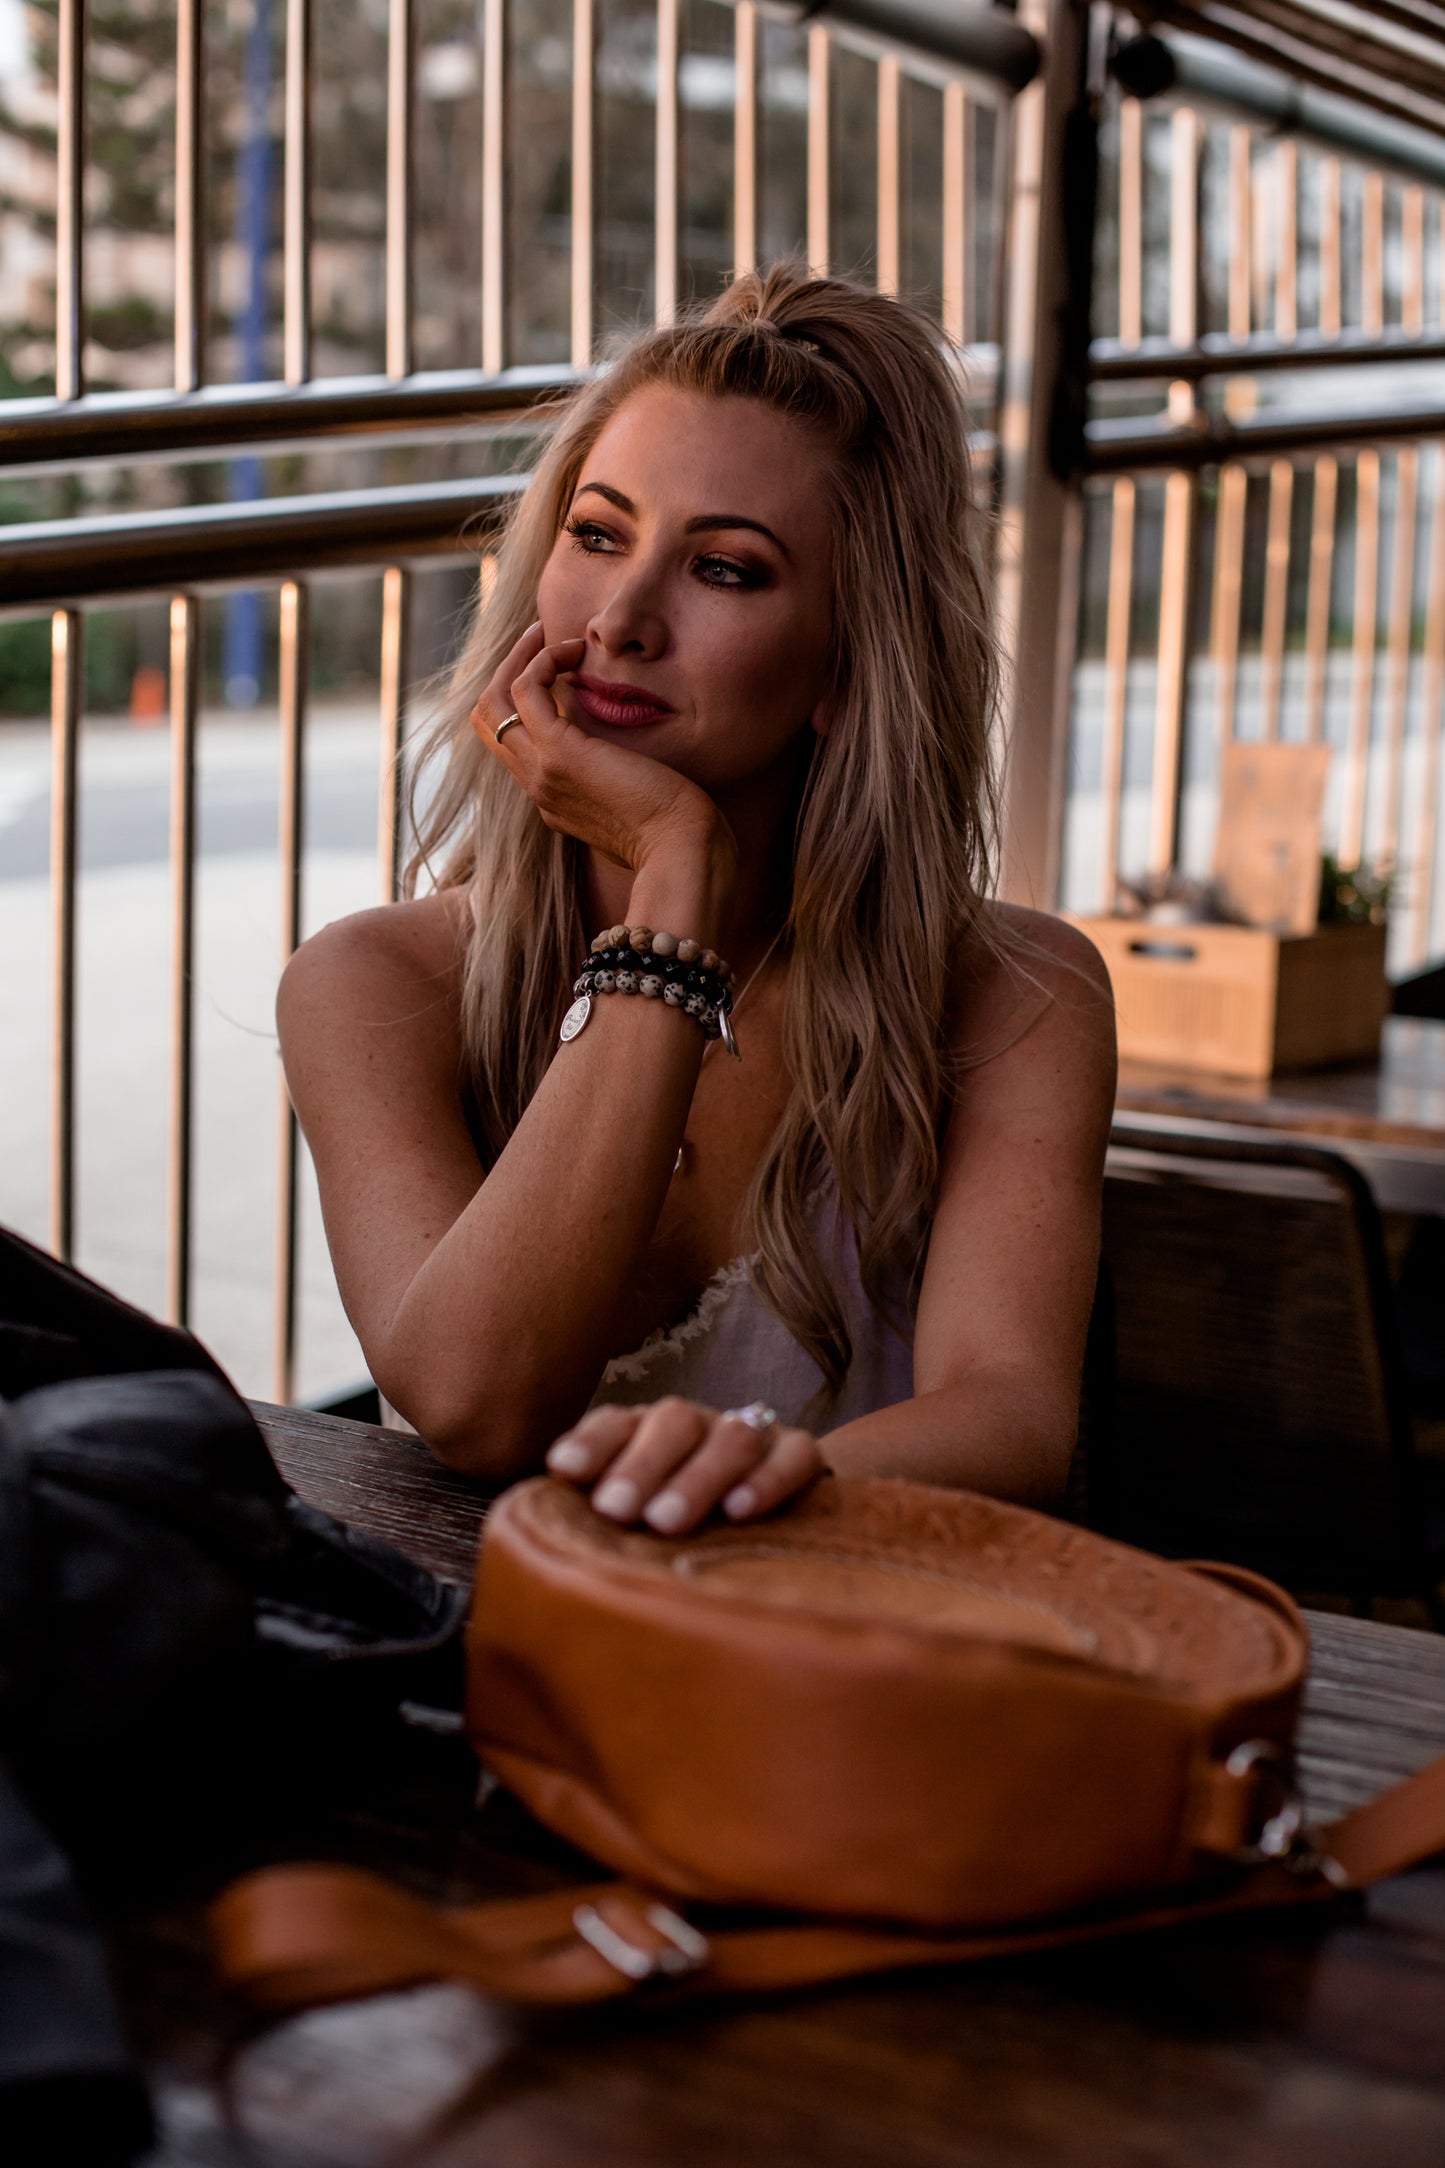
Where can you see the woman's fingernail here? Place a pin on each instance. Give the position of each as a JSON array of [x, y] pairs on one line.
[[617, 1498], [743, 1499], [668, 1511], [567, 1457]]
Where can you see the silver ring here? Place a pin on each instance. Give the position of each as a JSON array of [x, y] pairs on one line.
[[757, 1415], [497, 733]]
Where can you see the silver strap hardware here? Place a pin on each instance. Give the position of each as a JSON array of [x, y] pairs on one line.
[[683, 1949]]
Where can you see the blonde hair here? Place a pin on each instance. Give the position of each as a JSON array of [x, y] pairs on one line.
[[896, 830]]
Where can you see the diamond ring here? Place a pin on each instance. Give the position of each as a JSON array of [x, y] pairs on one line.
[[497, 733], [757, 1415]]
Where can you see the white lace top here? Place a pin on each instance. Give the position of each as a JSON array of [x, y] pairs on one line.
[[732, 1349]]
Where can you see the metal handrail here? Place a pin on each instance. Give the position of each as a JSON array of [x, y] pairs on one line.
[[1187, 70], [274, 416], [983, 41], [48, 563], [1132, 446], [1409, 94], [1115, 361]]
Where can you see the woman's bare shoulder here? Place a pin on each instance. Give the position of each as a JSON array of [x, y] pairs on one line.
[[400, 963], [1017, 965]]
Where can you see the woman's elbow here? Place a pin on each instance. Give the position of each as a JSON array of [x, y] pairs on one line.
[[473, 1435]]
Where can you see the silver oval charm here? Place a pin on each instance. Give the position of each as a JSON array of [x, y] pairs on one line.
[[575, 1018], [729, 1038]]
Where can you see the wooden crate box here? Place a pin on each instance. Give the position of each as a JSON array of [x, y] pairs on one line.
[[1242, 1002]]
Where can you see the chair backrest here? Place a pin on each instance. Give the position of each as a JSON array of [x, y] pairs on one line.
[[1258, 1410]]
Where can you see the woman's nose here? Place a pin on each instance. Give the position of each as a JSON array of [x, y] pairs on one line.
[[630, 620]]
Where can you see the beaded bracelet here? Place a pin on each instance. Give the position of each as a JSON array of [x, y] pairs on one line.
[[681, 973]]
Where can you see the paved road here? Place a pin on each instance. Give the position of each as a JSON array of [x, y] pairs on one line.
[[123, 1016]]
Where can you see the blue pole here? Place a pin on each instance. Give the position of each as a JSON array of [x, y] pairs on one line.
[[242, 665]]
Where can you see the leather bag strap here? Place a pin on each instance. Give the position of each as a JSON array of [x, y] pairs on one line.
[[291, 1937]]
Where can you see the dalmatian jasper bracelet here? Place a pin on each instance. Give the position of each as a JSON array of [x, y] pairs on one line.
[[682, 974]]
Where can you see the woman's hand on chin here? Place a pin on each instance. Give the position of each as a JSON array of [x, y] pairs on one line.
[[624, 803], [673, 1463]]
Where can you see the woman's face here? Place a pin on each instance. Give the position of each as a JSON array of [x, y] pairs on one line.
[[696, 562]]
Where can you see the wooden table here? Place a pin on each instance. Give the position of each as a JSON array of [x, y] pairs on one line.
[[1386, 1116], [1307, 2043]]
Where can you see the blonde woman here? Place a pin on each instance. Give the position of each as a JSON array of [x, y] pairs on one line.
[[727, 702]]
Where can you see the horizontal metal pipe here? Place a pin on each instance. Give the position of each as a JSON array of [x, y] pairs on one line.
[[1134, 447], [136, 553], [965, 37], [1189, 70], [139, 425], [1113, 362]]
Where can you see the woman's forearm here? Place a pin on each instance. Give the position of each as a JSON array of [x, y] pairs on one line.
[[995, 1432], [501, 1335]]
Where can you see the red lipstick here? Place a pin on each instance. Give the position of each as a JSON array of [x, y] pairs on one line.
[[622, 707]]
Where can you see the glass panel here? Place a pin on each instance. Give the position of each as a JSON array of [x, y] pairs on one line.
[[539, 180], [855, 165], [626, 155], [705, 97], [447, 184]]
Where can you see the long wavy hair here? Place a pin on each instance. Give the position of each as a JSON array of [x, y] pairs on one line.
[[896, 830]]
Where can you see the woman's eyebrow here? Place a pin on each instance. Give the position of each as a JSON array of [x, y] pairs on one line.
[[704, 520], [735, 519]]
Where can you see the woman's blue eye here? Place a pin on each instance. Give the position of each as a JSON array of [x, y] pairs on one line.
[[588, 536], [731, 575]]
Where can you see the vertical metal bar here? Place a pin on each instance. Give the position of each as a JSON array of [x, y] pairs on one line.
[[494, 182], [1412, 235], [890, 174], [1228, 595], [957, 207], [185, 703], [1331, 285], [745, 140], [67, 684], [190, 196], [296, 332], [395, 626], [1362, 691], [400, 106], [1286, 253], [69, 200], [293, 669], [1372, 253], [669, 172], [1397, 641], [584, 176], [1241, 235], [1232, 499], [1116, 684], [1422, 868], [1276, 592], [1321, 592], [1131, 221], [1039, 529], [820, 130], [1180, 496]]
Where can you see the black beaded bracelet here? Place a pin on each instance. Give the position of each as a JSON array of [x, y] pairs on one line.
[[682, 974], [613, 963]]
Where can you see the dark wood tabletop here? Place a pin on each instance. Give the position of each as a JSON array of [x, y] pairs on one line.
[[1315, 2043], [1388, 1116]]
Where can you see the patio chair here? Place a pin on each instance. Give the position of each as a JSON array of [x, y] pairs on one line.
[[1259, 1411]]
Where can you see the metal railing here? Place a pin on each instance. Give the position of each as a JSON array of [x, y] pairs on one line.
[[1238, 537], [1241, 551], [186, 552]]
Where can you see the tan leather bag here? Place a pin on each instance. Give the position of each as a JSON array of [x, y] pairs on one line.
[[912, 1725]]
